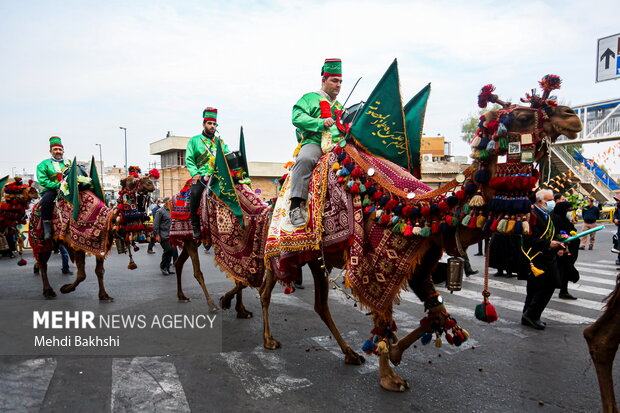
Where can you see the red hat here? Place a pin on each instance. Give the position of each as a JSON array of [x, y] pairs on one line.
[[209, 114]]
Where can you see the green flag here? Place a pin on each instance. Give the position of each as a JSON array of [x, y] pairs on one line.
[[96, 183], [415, 110], [71, 192], [380, 127], [3, 182], [222, 183], [244, 158]]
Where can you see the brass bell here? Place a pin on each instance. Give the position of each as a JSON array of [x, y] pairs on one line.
[[454, 279]]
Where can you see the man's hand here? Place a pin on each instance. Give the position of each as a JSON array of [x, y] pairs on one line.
[[560, 253], [195, 178], [555, 245], [329, 122], [157, 238]]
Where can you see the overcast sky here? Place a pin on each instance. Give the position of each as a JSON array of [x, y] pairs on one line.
[[81, 69]]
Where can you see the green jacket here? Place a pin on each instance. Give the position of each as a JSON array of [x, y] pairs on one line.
[[48, 173], [200, 155], [307, 119]]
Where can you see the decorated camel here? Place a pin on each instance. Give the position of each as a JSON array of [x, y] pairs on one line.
[[16, 199], [603, 338], [387, 228], [85, 224]]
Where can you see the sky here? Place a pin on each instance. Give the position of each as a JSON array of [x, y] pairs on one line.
[[81, 69]]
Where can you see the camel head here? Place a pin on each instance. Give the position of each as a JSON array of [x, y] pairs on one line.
[[144, 184], [562, 121]]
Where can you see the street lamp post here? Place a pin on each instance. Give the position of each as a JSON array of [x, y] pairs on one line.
[[126, 166], [100, 164]]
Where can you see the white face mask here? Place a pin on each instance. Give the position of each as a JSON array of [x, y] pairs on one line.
[[550, 205], [569, 215]]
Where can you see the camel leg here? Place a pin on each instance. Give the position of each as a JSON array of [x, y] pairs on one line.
[[80, 263], [100, 271], [265, 291], [226, 301], [48, 291], [242, 312], [388, 379], [397, 350], [192, 250], [321, 306], [178, 266], [603, 340]]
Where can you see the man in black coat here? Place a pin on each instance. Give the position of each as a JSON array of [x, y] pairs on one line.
[[540, 250], [161, 228]]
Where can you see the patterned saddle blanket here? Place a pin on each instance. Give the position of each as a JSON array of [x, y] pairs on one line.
[[378, 260], [90, 233], [238, 250]]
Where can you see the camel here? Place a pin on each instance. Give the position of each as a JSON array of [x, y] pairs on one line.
[[17, 199], [545, 120], [43, 249], [556, 121], [603, 338]]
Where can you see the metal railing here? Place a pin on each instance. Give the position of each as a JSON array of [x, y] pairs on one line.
[[580, 171]]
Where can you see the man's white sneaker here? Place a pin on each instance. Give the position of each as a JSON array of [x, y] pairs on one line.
[[297, 217]]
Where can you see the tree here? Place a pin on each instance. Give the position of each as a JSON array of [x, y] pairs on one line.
[[470, 125]]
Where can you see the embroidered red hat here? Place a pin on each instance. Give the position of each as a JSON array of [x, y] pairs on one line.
[[55, 141], [209, 114], [332, 67]]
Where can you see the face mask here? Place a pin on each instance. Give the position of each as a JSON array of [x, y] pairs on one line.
[[550, 205], [569, 215]]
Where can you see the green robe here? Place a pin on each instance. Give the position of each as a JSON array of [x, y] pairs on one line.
[[307, 119], [47, 173], [200, 155]]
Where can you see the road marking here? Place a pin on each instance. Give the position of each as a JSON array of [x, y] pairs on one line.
[[146, 384], [513, 288], [594, 265], [598, 271], [259, 386], [549, 313], [291, 300], [329, 343], [24, 385]]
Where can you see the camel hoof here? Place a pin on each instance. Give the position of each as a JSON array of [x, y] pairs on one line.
[[225, 303], [184, 299], [272, 344], [67, 288], [49, 293], [245, 314], [394, 383], [213, 308], [106, 299], [353, 358]]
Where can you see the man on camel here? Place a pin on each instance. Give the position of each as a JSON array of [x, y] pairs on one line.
[[200, 161], [49, 175], [314, 117]]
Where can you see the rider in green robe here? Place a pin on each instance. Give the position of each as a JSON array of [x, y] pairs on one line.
[[314, 116], [200, 160], [49, 175]]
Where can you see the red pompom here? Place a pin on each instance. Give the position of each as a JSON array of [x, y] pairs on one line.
[[385, 219], [346, 161], [550, 82], [154, 173], [460, 195], [357, 172], [426, 211], [434, 227], [377, 195], [444, 207], [491, 314], [486, 95], [391, 204], [406, 212], [355, 189]]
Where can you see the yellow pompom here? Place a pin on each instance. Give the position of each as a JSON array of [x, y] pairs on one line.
[[382, 347], [438, 342], [465, 333], [335, 166]]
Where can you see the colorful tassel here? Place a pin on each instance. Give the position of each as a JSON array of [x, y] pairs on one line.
[[536, 271]]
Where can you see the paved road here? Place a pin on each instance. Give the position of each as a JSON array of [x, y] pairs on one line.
[[505, 367]]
